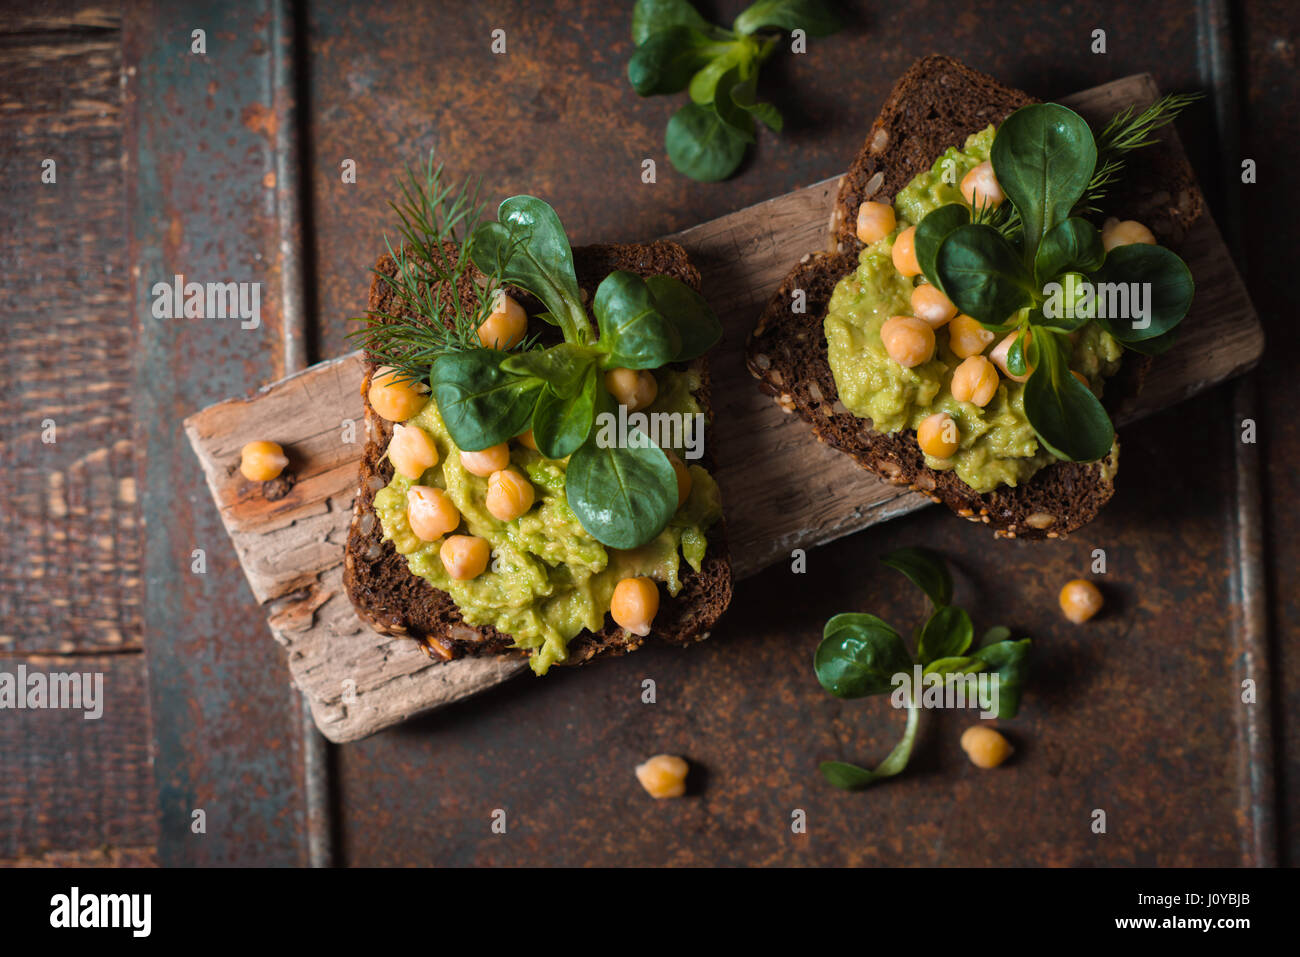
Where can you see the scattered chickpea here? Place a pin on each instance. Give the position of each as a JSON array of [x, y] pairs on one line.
[[483, 463], [1080, 600], [634, 388], [635, 604], [930, 305], [1003, 349], [262, 461], [465, 556], [980, 187], [975, 380], [505, 326], [396, 400], [683, 478], [875, 222], [411, 450], [1115, 233], [985, 747], [509, 495], [663, 776], [939, 436], [904, 253], [968, 337], [908, 340], [526, 440], [430, 512]]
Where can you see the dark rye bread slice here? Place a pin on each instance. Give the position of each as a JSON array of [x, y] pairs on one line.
[[936, 104], [393, 601]]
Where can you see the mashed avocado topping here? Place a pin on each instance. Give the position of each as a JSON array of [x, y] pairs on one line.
[[998, 446], [549, 579]]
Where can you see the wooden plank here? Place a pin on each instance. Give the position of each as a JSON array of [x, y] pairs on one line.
[[70, 507], [72, 784], [795, 492]]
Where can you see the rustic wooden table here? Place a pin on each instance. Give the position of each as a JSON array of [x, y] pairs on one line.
[[225, 165]]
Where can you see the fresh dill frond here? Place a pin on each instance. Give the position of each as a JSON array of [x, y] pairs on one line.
[[1004, 217], [431, 318], [1127, 131]]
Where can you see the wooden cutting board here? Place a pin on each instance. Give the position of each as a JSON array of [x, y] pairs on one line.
[[781, 488]]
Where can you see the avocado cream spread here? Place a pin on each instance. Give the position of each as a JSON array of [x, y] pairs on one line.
[[998, 446], [548, 579]]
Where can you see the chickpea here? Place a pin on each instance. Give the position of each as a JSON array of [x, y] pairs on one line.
[[465, 556], [635, 604], [396, 400], [967, 336], [975, 380], [980, 187], [985, 747], [904, 253], [908, 340], [430, 512], [634, 388], [931, 305], [411, 450], [663, 776], [485, 462], [262, 461], [526, 440], [1003, 349], [683, 478], [1115, 233], [505, 326], [875, 222], [1080, 600], [509, 495], [939, 436]]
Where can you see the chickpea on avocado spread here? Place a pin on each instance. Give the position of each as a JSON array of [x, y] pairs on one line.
[[548, 579], [986, 312], [512, 490]]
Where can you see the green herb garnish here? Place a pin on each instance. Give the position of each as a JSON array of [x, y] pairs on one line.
[[623, 494], [435, 217], [860, 655], [1038, 266], [677, 49]]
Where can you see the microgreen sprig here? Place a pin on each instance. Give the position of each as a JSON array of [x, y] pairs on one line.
[[861, 655], [677, 49]]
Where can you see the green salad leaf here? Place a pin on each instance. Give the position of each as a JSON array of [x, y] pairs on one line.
[[678, 49], [924, 569], [481, 403], [622, 495], [861, 655]]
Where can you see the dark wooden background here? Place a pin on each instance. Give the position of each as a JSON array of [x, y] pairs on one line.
[[226, 167]]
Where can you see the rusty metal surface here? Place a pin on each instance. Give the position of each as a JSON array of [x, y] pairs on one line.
[[201, 182], [1135, 714], [1266, 38]]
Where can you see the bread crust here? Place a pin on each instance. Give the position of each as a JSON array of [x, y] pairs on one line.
[[391, 600]]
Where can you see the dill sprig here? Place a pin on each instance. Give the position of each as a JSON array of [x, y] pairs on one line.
[[432, 319], [1128, 131]]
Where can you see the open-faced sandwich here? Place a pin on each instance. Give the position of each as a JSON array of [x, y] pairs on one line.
[[990, 288], [535, 480]]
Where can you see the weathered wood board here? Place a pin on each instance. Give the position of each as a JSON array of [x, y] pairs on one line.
[[781, 488]]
